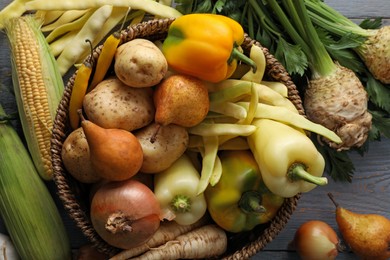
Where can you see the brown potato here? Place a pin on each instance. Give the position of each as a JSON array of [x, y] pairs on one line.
[[140, 63], [170, 143], [75, 156], [112, 104]]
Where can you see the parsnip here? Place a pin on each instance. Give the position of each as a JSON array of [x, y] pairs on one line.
[[167, 231], [207, 241]]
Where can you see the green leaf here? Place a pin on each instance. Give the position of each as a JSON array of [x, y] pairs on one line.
[[291, 56], [184, 6], [378, 93], [380, 124], [218, 6], [371, 24], [348, 59], [348, 41], [338, 165], [205, 6]]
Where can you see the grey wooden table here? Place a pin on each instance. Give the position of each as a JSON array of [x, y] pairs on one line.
[[369, 191]]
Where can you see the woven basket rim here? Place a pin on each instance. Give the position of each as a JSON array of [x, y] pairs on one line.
[[68, 189]]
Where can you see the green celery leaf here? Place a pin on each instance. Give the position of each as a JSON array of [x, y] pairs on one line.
[[348, 59], [184, 6], [348, 41], [263, 37], [291, 56], [338, 165], [380, 123], [218, 6], [341, 49], [378, 93], [371, 24], [205, 6]]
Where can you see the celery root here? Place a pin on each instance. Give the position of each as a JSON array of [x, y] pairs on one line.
[[374, 51], [335, 96], [339, 102]]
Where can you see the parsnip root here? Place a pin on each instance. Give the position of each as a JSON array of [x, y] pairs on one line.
[[167, 231], [204, 242]]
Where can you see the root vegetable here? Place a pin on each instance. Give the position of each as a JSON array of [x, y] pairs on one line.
[[339, 102], [75, 156], [374, 51], [112, 104], [167, 231], [338, 86], [315, 239], [140, 63], [170, 143], [207, 241], [125, 214]]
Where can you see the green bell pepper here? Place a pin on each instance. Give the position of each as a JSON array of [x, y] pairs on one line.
[[240, 200]]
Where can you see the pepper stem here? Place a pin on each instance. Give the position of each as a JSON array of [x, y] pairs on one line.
[[250, 202], [297, 171], [237, 55], [181, 204]]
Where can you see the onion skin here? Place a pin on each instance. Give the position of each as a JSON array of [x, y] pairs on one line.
[[316, 240], [125, 214]]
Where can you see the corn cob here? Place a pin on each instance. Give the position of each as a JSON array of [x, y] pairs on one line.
[[27, 208], [38, 88]]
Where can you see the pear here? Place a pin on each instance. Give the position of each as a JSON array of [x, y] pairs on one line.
[[115, 154], [368, 235], [182, 100]]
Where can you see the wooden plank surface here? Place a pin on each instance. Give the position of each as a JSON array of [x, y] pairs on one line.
[[362, 8], [368, 193]]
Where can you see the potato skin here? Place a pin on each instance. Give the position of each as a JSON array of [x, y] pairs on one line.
[[112, 104], [170, 143], [140, 63], [75, 156]]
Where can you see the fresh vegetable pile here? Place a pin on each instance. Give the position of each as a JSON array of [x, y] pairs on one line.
[[160, 140], [184, 141]]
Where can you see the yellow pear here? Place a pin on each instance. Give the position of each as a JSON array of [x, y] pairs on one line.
[[368, 235], [182, 100], [115, 154]]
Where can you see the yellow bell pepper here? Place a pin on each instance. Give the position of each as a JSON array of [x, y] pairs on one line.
[[205, 46], [288, 160], [240, 200]]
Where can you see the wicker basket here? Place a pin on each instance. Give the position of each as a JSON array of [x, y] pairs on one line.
[[74, 195]]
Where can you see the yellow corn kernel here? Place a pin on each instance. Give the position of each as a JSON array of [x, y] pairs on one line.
[[38, 88]]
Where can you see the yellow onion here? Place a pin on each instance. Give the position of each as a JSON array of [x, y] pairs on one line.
[[316, 240]]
